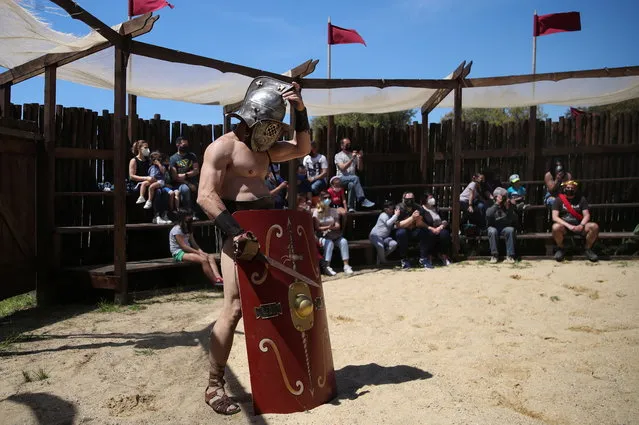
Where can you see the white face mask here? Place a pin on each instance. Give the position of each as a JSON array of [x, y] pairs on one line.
[[431, 202], [146, 152]]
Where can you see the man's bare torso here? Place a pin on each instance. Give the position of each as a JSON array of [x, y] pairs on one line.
[[244, 178]]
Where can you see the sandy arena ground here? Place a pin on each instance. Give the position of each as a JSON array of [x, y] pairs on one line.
[[534, 343]]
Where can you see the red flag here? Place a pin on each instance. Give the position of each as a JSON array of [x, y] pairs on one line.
[[556, 22], [338, 35], [576, 112], [140, 7]]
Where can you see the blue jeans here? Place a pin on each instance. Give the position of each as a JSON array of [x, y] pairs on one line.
[[509, 235], [439, 244], [185, 196], [384, 246], [328, 249], [355, 191], [404, 236], [478, 216], [317, 186]]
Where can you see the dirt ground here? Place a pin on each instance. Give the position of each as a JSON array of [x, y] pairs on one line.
[[533, 343]]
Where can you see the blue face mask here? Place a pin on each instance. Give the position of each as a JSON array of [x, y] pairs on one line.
[[327, 202]]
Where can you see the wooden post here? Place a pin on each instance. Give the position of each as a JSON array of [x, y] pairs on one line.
[[5, 100], [45, 181], [330, 146], [424, 164], [133, 119], [534, 147], [292, 172], [119, 174], [457, 165]]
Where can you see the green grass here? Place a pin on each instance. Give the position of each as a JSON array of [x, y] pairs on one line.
[[12, 339], [41, 375], [17, 303], [522, 265], [145, 352], [109, 307], [554, 298], [27, 376]]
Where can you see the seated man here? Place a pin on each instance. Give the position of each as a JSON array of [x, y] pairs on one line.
[[316, 166], [348, 162], [411, 226], [501, 220], [185, 169], [570, 215]]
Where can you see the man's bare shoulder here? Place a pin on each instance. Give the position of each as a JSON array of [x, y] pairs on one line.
[[223, 146]]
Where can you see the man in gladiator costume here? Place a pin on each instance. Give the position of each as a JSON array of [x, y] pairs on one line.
[[231, 179]]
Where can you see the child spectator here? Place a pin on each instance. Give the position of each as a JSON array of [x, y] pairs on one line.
[[338, 197], [303, 184], [517, 193], [183, 247], [471, 201], [380, 235]]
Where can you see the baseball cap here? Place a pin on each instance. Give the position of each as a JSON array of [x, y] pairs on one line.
[[514, 178]]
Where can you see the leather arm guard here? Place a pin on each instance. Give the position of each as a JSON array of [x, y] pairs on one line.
[[227, 224], [301, 120], [246, 246]]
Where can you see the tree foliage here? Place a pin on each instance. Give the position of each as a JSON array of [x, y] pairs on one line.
[[614, 108], [496, 115], [390, 119]]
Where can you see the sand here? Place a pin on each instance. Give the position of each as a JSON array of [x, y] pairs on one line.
[[534, 343]]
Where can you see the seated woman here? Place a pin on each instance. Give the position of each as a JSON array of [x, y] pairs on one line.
[[472, 201], [555, 176], [139, 167], [330, 233], [439, 240], [183, 247]]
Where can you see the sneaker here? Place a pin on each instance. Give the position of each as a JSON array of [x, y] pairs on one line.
[[367, 204], [348, 269], [157, 220], [351, 210], [148, 205], [509, 260], [446, 262], [405, 264], [166, 219], [426, 263], [330, 271], [493, 259], [591, 255], [195, 217], [559, 254], [140, 200]]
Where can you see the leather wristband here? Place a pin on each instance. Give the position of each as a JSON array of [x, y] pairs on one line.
[[227, 224], [301, 120]]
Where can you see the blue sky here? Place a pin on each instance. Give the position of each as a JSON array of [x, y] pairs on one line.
[[405, 39]]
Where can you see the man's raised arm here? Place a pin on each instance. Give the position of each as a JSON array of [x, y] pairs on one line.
[[301, 143]]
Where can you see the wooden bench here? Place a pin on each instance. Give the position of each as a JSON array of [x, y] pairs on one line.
[[103, 276]]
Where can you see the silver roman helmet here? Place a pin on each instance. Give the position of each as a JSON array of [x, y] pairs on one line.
[[263, 110]]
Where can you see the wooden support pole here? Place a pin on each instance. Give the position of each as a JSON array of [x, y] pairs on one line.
[[292, 173], [457, 165], [45, 209], [330, 146], [424, 158], [119, 174], [534, 147], [5, 100], [133, 119]]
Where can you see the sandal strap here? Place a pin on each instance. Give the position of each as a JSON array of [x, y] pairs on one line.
[[221, 403]]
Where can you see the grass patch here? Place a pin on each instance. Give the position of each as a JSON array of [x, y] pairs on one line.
[[554, 298], [521, 265], [17, 303], [621, 263], [107, 307], [27, 376], [482, 262], [145, 352], [41, 375], [594, 295], [13, 338], [515, 276], [137, 307]]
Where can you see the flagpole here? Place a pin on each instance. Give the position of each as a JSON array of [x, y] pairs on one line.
[[534, 55], [330, 124], [328, 74]]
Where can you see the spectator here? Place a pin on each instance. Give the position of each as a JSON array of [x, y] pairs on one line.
[[139, 169], [159, 187], [491, 181], [330, 233], [570, 215], [277, 187], [471, 201], [303, 184], [555, 176], [316, 169], [517, 193], [348, 162], [338, 196], [411, 227], [439, 235], [501, 220], [380, 235], [303, 204], [185, 169], [183, 247]]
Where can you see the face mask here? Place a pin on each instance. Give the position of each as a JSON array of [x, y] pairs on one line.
[[146, 152], [326, 202], [409, 201], [182, 148], [559, 169], [301, 176], [347, 148], [569, 192], [431, 202]]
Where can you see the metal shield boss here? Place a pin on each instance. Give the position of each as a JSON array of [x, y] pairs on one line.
[[285, 320]]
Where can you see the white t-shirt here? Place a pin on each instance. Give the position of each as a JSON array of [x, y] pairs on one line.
[[173, 244], [315, 165], [473, 187], [342, 158]]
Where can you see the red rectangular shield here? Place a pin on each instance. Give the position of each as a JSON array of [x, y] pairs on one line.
[[285, 321]]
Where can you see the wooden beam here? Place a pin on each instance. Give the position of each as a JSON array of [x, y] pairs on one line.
[[5, 100], [330, 146], [132, 118], [76, 12], [462, 71], [626, 71], [45, 201], [457, 167], [135, 27], [171, 55], [319, 83], [119, 171]]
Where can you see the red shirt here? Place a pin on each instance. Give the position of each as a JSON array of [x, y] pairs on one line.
[[336, 196]]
